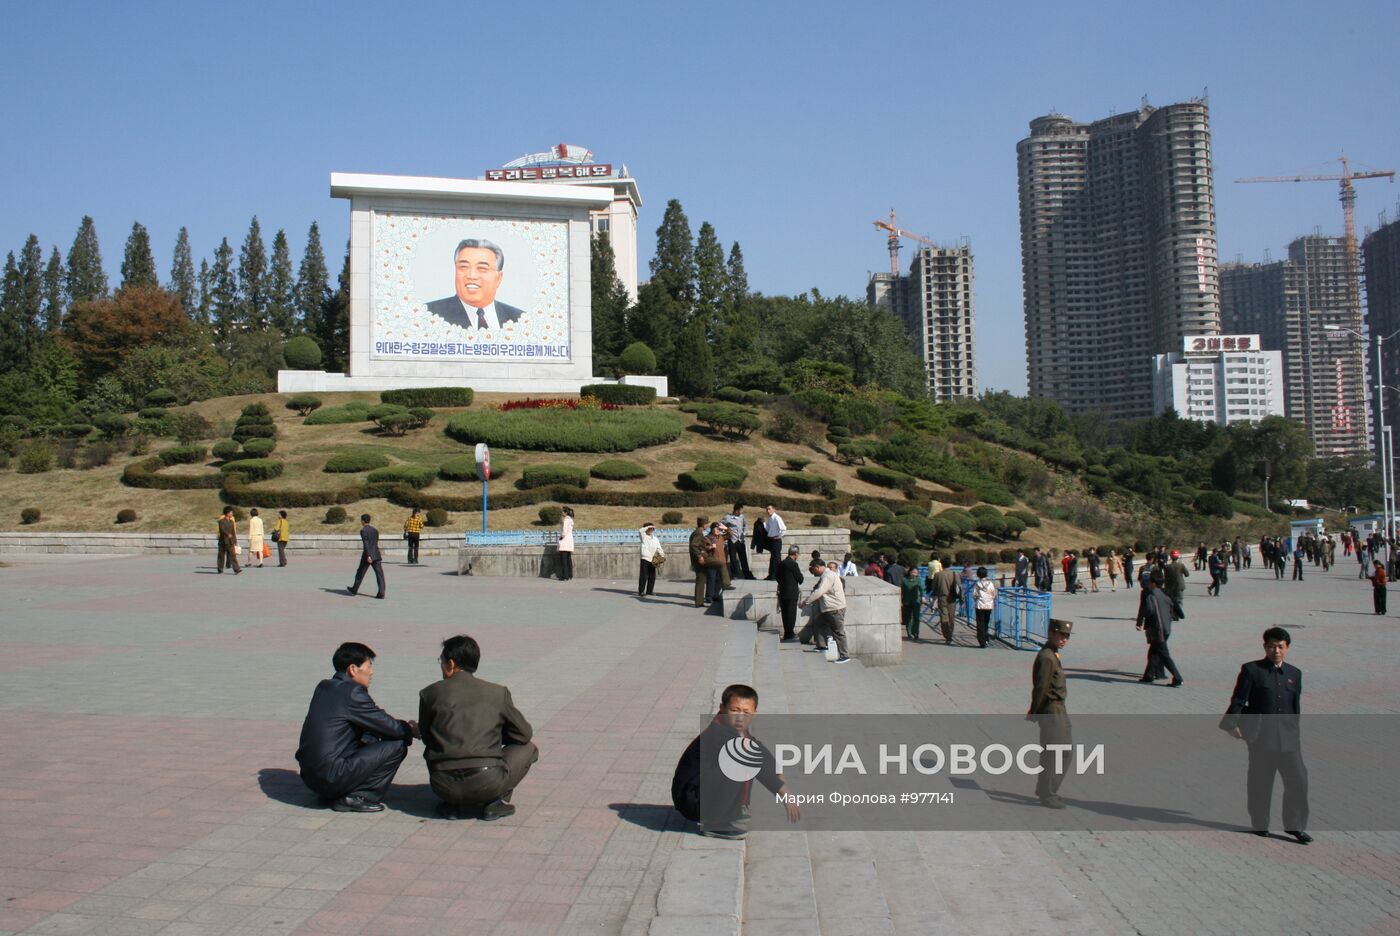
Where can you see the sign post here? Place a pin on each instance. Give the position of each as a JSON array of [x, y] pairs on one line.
[[483, 471]]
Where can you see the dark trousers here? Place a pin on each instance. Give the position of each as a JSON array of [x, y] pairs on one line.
[[787, 605], [831, 625], [1378, 594], [984, 620], [712, 588], [228, 555], [1128, 574], [1260, 787], [910, 615], [1159, 658], [646, 579], [775, 549], [738, 559], [281, 553], [701, 586], [1297, 570], [1054, 729], [1278, 568], [566, 565], [366, 773], [413, 547], [476, 787], [365, 564], [1214, 587], [947, 615]]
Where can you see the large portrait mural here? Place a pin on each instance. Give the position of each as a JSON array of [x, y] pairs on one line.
[[467, 288]]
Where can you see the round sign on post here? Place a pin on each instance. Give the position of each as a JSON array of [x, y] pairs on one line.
[[483, 461]]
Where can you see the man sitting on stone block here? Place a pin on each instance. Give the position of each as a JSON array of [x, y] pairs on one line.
[[713, 779], [351, 748], [476, 742]]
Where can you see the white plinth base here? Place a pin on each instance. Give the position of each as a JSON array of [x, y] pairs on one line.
[[641, 380]]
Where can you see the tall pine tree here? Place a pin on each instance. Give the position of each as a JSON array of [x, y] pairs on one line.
[[737, 281], [86, 278], [695, 366], [55, 292], [138, 263], [223, 293], [13, 356], [252, 278], [281, 287], [738, 323], [313, 289], [334, 336], [609, 299], [673, 267], [206, 294], [710, 278], [182, 281]]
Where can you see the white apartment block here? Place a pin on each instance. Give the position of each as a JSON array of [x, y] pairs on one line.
[[1219, 378]]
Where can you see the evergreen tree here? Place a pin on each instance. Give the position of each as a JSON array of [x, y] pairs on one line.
[[223, 293], [31, 295], [206, 290], [695, 365], [138, 263], [313, 289], [673, 267], [252, 278], [281, 287], [86, 278], [711, 278], [12, 354], [609, 299], [736, 284], [738, 323], [55, 292], [21, 301], [334, 334], [655, 321], [182, 281]]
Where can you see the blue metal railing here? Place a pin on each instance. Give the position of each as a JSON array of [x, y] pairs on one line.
[[1021, 616], [550, 537]]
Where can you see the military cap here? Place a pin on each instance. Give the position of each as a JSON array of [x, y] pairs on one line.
[[1060, 626]]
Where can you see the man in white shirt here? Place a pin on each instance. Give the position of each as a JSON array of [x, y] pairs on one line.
[[775, 528], [734, 549], [830, 621], [478, 266]]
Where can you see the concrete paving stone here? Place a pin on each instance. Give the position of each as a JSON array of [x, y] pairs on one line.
[[694, 926], [702, 882], [782, 927], [779, 887], [67, 924]]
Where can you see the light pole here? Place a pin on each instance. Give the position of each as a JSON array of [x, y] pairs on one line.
[[1387, 467]]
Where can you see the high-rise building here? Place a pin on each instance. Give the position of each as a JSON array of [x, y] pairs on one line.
[[1222, 379], [1118, 251], [1380, 252], [1290, 305], [935, 303]]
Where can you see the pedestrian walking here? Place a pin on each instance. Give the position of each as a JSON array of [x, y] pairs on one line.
[[652, 557], [945, 591], [228, 542], [1216, 567], [412, 532], [1128, 567], [1155, 619], [370, 557], [1378, 582], [255, 537], [281, 535], [984, 601], [1022, 570], [848, 569], [1049, 701], [789, 593], [1092, 555], [1299, 554], [698, 550], [829, 595], [911, 602], [565, 548]]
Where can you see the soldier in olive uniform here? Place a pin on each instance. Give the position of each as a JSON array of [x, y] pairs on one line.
[[1048, 695]]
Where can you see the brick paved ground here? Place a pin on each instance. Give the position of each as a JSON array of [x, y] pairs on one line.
[[151, 712]]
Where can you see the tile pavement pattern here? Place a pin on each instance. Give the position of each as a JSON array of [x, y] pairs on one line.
[[151, 711]]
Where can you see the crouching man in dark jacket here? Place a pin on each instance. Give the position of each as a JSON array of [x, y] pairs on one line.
[[351, 748]]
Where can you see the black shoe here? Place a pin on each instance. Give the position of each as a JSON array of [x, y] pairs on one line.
[[353, 803], [455, 811], [379, 596], [497, 809], [1302, 837], [1262, 833], [351, 590], [1147, 679], [1176, 682], [730, 833], [1052, 802], [788, 640]]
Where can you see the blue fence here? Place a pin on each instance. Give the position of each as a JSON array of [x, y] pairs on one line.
[[1021, 616], [550, 537]]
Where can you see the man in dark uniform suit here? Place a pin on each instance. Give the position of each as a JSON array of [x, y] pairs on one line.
[[1023, 565], [478, 270], [350, 748], [1048, 696], [789, 591], [699, 550], [369, 556], [1155, 615], [228, 542], [1274, 689], [476, 742]]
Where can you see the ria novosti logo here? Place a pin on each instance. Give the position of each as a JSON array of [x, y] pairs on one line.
[[741, 759]]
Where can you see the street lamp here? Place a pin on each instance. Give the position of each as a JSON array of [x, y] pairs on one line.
[[1382, 431]]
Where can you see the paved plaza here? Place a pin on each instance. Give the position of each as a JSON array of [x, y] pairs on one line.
[[152, 708]]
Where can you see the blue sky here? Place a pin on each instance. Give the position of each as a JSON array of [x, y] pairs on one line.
[[788, 126]]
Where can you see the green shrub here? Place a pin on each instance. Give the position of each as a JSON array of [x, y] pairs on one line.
[[225, 450], [67, 455], [415, 476], [995, 494], [253, 469], [143, 474], [429, 396], [245, 431], [796, 464], [463, 468], [729, 418], [1215, 504], [350, 462], [335, 515], [29, 515], [711, 475], [421, 416], [870, 513], [884, 477], [112, 425], [161, 397], [378, 413], [807, 484], [304, 403], [436, 517], [97, 454], [73, 431], [672, 517], [731, 395], [397, 424], [182, 455], [256, 411], [927, 530], [188, 427], [1027, 518], [563, 430], [959, 519], [352, 412], [895, 534], [637, 358], [621, 394], [617, 469], [537, 476], [35, 459], [820, 521], [140, 444], [786, 427], [302, 353], [551, 515], [126, 515], [154, 413], [259, 448]]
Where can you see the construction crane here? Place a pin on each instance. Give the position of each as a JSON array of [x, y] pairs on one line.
[[1348, 196], [895, 234]]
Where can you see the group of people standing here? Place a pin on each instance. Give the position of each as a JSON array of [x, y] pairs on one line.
[[258, 547]]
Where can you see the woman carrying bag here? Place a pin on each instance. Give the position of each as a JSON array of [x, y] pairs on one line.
[[652, 556], [255, 537], [1378, 583]]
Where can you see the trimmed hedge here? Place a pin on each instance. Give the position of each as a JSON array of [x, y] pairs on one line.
[[617, 469], [142, 474], [254, 469], [538, 476], [672, 516], [335, 515], [551, 515], [126, 515], [304, 404], [807, 483], [710, 475], [729, 418], [562, 430], [225, 450], [1025, 516], [182, 455], [351, 412], [463, 468], [796, 464], [377, 414], [415, 476], [73, 430], [259, 448], [112, 425], [302, 353], [884, 477], [153, 413], [349, 462], [429, 396], [161, 397], [437, 517], [622, 394], [245, 431], [29, 515]]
